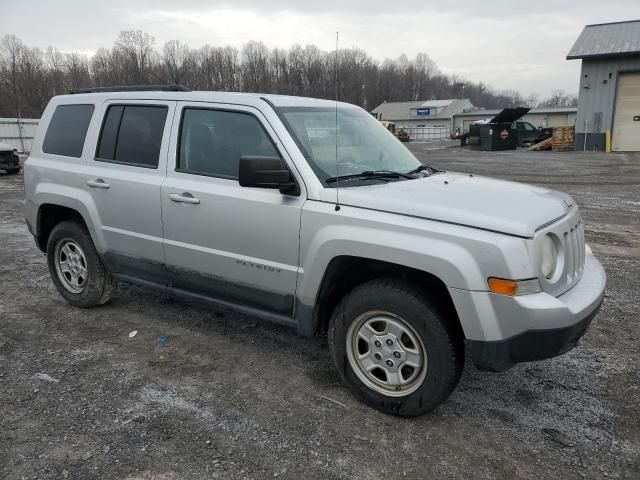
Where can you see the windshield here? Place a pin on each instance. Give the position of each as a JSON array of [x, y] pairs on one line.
[[363, 143]]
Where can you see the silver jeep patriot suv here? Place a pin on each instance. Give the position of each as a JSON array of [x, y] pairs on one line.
[[310, 214]]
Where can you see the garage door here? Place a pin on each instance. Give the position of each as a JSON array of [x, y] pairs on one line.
[[557, 120], [626, 122]]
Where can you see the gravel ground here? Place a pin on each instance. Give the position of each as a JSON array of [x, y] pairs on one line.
[[202, 392]]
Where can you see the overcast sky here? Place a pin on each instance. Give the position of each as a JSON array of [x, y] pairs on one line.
[[506, 43]]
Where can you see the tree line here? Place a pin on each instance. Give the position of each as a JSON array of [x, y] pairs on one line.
[[30, 76]]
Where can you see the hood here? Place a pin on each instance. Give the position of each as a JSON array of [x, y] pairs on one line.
[[497, 205]]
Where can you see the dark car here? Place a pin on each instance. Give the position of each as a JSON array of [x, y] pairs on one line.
[[9, 160], [530, 135]]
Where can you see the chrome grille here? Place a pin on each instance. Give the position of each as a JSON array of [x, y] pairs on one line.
[[574, 252]]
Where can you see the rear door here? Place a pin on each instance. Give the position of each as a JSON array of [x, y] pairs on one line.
[[124, 179], [233, 243]]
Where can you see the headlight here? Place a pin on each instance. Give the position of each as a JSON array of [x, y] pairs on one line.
[[549, 256]]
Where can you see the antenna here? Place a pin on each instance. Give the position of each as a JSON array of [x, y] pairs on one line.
[[337, 172]]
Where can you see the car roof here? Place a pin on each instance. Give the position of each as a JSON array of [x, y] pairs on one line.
[[236, 98]]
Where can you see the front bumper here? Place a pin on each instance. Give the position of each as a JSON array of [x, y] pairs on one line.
[[509, 330], [528, 346]]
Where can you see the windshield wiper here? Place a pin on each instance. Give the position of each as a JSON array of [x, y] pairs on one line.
[[382, 174], [422, 168]]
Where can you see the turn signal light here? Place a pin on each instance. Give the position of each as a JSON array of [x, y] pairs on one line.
[[503, 287], [513, 287]]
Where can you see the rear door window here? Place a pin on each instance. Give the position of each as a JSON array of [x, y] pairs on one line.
[[132, 135], [67, 130]]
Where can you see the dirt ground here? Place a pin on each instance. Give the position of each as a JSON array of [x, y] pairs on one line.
[[202, 392]]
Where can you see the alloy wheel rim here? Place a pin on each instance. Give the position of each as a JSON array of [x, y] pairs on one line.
[[386, 353], [71, 266]]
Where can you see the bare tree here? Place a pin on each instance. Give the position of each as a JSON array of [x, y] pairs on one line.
[[177, 60], [76, 69], [559, 99], [255, 72], [136, 48], [11, 52], [532, 101]]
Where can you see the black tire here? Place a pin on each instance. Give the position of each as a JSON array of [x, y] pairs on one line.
[[443, 345], [99, 285], [12, 171]]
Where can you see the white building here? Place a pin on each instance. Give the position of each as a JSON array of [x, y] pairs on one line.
[[422, 113]]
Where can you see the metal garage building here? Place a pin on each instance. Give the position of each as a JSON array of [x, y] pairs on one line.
[[538, 117], [609, 97]]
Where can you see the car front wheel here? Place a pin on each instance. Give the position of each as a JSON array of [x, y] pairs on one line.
[[395, 348]]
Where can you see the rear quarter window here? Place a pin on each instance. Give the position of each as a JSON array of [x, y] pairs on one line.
[[67, 130]]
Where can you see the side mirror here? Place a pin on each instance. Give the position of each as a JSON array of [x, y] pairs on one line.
[[266, 172]]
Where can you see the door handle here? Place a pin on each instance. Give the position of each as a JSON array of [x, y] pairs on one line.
[[98, 183], [185, 197]]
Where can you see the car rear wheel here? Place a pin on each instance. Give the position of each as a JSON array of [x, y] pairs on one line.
[[75, 267], [12, 171], [395, 348]]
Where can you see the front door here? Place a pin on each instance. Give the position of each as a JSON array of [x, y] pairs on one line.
[[233, 243]]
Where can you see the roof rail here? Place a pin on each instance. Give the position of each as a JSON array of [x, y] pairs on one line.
[[132, 88]]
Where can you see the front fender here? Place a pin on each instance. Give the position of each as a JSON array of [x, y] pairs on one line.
[[461, 257], [400, 248]]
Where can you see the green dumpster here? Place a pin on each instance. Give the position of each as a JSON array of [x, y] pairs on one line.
[[496, 133]]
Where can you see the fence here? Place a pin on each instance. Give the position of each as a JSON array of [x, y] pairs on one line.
[[428, 133], [18, 133]]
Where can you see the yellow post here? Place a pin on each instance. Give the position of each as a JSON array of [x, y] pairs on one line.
[[608, 141]]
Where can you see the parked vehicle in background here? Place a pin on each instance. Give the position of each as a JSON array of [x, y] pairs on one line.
[[389, 126], [529, 135], [247, 201], [400, 134], [403, 135], [9, 159]]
